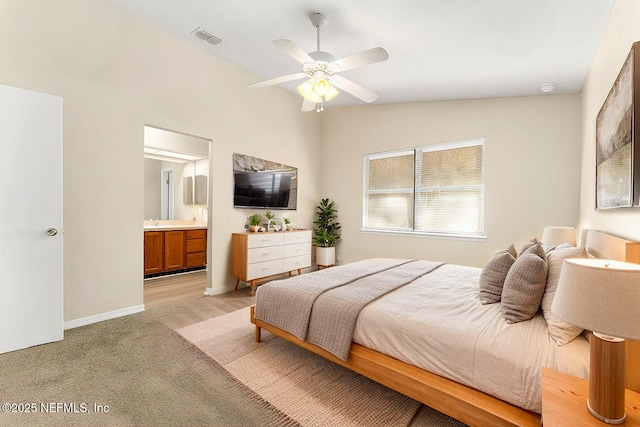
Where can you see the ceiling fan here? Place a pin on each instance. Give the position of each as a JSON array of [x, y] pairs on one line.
[[322, 71]]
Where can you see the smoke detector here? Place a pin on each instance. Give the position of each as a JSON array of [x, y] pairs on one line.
[[206, 36], [548, 87]]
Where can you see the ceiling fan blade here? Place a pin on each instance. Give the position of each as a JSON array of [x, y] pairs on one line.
[[353, 88], [308, 105], [294, 51], [371, 56], [277, 80]]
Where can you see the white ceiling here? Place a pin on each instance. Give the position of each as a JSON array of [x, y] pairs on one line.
[[438, 49]]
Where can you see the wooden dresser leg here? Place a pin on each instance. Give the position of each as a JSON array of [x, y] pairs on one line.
[[237, 283], [254, 285], [299, 271]]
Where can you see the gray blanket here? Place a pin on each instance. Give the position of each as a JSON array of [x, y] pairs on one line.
[[323, 307]]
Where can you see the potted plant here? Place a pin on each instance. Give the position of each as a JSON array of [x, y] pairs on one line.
[[326, 233], [254, 222], [287, 224], [270, 220]]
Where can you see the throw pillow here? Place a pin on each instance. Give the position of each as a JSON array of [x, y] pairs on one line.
[[561, 331], [529, 244], [494, 273], [524, 285]]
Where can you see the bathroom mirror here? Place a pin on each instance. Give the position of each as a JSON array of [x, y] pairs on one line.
[[176, 168]]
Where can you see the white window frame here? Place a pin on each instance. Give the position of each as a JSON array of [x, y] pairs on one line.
[[417, 152]]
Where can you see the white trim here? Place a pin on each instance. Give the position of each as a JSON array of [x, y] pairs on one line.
[[103, 316], [221, 289], [473, 238]]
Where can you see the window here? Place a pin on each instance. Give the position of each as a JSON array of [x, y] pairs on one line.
[[435, 189]]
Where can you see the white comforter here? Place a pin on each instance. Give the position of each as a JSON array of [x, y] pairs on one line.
[[438, 323]]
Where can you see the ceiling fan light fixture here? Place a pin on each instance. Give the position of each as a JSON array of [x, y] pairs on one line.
[[321, 87], [331, 93], [306, 90], [317, 90]]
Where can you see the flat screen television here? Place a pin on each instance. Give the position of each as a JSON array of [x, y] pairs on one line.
[[270, 190]]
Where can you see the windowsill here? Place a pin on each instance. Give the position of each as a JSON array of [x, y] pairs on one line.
[[425, 235]]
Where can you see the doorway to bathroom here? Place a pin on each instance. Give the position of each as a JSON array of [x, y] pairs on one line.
[[176, 214]]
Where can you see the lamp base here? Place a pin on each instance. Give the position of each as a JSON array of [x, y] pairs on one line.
[[606, 420], [606, 379]]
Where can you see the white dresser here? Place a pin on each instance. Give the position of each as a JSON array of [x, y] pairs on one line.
[[258, 255]]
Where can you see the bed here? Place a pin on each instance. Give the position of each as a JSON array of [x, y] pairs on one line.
[[495, 376]]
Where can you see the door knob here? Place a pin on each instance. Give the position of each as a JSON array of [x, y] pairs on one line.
[[51, 232]]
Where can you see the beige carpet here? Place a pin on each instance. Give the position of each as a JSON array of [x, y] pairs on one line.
[[304, 386]]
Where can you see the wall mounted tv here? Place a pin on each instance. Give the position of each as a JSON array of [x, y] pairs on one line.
[[263, 184]]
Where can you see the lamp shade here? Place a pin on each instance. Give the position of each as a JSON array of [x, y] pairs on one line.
[[556, 235], [601, 296]]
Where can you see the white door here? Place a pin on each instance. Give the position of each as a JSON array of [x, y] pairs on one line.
[[31, 292]]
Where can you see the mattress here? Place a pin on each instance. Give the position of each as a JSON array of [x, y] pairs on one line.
[[438, 323]]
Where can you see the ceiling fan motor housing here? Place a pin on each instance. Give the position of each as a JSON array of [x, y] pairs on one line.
[[318, 19], [322, 56]]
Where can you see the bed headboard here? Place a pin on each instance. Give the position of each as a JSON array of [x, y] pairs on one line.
[[607, 246]]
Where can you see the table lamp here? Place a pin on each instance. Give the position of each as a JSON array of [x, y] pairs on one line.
[[556, 235], [602, 296]]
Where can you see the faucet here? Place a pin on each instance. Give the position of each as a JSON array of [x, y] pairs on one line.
[[154, 221]]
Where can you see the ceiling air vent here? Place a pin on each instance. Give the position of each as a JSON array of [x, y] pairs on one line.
[[208, 37]]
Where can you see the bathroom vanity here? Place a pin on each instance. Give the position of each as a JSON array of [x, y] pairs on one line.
[[173, 248]]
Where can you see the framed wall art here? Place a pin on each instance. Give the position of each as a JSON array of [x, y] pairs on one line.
[[617, 153]]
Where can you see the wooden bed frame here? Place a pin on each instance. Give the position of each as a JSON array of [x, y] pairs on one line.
[[464, 403]]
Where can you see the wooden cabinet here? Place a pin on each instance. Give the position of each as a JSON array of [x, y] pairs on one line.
[[259, 255], [174, 250], [196, 248], [153, 252], [171, 251]]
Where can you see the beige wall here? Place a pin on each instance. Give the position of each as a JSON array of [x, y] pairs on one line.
[[116, 74], [623, 29], [532, 171]]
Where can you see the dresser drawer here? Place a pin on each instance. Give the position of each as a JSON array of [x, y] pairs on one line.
[[297, 237], [259, 240], [297, 262], [264, 269], [266, 253], [297, 250]]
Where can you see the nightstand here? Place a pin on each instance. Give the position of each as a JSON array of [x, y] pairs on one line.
[[564, 402]]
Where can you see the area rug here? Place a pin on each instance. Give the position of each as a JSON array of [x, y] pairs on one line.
[[307, 388]]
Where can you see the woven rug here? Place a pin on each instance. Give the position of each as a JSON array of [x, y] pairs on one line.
[[306, 387]]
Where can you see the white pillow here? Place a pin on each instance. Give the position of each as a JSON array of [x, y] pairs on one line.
[[561, 331]]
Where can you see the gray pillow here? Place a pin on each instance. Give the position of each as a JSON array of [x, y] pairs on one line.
[[528, 245], [494, 273], [524, 285]]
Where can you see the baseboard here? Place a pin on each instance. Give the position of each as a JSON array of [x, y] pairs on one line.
[[103, 316], [218, 290]]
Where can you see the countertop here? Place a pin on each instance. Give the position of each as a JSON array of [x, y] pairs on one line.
[[173, 225]]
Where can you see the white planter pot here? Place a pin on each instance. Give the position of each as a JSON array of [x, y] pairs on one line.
[[325, 256]]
